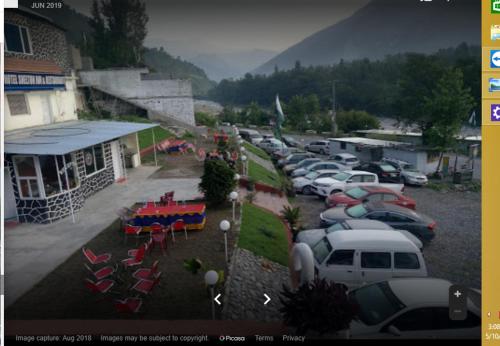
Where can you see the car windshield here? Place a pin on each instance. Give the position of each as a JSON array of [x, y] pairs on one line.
[[341, 176], [356, 211], [352, 159], [255, 136], [335, 227], [321, 249], [356, 193], [304, 163], [376, 303], [410, 168], [387, 168], [311, 175]]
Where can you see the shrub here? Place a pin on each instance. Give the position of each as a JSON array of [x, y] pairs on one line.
[[217, 181], [349, 121], [320, 306], [205, 119]]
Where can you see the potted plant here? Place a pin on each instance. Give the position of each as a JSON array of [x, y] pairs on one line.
[[292, 216], [320, 308]]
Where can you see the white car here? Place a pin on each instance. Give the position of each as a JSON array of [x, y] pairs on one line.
[[303, 184], [299, 172], [275, 146], [346, 159], [312, 236], [324, 187], [255, 138], [320, 147], [263, 144], [410, 175], [413, 308]]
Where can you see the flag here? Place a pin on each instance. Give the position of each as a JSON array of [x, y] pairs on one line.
[[472, 118], [281, 116]]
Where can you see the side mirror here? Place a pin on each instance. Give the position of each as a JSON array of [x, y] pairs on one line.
[[393, 330], [349, 181]]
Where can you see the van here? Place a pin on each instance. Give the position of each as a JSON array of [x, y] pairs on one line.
[[365, 256], [246, 134]]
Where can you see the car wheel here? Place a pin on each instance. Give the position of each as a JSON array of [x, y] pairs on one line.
[[306, 190]]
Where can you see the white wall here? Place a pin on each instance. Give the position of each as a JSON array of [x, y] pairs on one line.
[[416, 158], [63, 104]]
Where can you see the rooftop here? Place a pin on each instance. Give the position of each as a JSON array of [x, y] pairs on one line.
[[31, 66], [66, 137], [391, 132], [369, 142]]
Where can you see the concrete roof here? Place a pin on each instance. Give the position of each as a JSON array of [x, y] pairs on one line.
[[369, 141], [66, 137], [391, 132]]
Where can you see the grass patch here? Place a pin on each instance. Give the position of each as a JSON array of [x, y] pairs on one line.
[[146, 137], [259, 173], [256, 151], [271, 243]]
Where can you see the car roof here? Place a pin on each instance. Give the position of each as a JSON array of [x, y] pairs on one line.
[[377, 188], [353, 172], [320, 171], [417, 291], [346, 155], [368, 239], [367, 224], [381, 206]]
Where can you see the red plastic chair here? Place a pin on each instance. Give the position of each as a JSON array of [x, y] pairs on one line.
[[179, 225], [146, 273], [129, 230], [158, 236], [128, 305], [133, 252], [137, 259], [102, 286], [94, 259], [101, 273], [146, 286]]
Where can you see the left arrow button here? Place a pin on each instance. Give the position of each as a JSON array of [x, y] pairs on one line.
[[217, 299]]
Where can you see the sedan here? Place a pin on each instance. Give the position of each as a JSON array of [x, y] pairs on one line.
[[304, 163], [303, 184], [299, 172], [413, 308], [294, 158], [398, 217], [365, 194], [386, 173], [290, 141], [410, 175]]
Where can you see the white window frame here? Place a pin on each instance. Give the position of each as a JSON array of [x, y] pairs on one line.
[[39, 180], [22, 40], [95, 162], [26, 100]]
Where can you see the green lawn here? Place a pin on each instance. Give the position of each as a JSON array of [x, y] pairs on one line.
[[146, 137], [264, 234], [259, 173], [256, 151]]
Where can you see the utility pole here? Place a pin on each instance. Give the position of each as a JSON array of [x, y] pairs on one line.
[[334, 112]]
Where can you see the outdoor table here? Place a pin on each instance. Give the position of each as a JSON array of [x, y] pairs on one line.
[[176, 146], [193, 215]]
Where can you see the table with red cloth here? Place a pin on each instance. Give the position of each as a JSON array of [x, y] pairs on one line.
[[194, 215], [176, 146]]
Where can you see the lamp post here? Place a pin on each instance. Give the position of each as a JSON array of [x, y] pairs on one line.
[[243, 150], [224, 227], [237, 177], [211, 278], [244, 159], [234, 197]]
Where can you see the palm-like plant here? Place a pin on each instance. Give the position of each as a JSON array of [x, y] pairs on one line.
[[292, 216]]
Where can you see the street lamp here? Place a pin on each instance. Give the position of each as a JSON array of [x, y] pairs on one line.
[[224, 227], [234, 197], [237, 177], [243, 150], [211, 278], [244, 159]]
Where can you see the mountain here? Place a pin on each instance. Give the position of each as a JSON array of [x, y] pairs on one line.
[[385, 27], [231, 65]]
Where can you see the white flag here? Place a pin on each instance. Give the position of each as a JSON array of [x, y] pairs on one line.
[[472, 118], [281, 116]]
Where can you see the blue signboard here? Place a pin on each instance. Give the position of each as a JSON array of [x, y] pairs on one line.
[[32, 81]]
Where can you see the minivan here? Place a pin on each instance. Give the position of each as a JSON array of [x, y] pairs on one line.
[[365, 256], [246, 134]]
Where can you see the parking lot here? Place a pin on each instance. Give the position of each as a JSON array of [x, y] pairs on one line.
[[455, 253]]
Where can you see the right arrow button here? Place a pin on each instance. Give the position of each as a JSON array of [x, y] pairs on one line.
[[268, 299]]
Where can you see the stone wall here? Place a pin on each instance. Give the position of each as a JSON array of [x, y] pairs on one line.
[[48, 42]]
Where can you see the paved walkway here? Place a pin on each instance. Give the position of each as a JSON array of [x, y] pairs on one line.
[[266, 200], [264, 163], [32, 251]]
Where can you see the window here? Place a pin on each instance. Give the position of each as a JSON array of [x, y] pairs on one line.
[[418, 319], [67, 163], [375, 197], [406, 260], [17, 39], [376, 260], [377, 215], [356, 178], [50, 175], [392, 217], [18, 104], [368, 178], [94, 159], [27, 176], [321, 250], [390, 197], [341, 258], [342, 145]]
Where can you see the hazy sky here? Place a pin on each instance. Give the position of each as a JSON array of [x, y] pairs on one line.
[[188, 27]]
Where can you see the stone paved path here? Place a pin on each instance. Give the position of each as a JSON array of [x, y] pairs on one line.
[[264, 163], [250, 277], [266, 200]]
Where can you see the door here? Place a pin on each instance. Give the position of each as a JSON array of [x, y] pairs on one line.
[[339, 267], [117, 160], [375, 266], [46, 109], [10, 210]]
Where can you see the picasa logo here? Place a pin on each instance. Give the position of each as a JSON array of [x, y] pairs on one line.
[[495, 6]]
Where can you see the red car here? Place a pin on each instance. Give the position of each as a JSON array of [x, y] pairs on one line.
[[358, 195]]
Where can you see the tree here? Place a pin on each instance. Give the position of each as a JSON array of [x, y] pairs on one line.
[[296, 113], [350, 121], [217, 181], [447, 109]]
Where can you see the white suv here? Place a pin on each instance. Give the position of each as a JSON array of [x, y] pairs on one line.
[[320, 147]]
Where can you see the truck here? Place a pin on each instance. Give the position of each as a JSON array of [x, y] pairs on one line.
[[324, 187]]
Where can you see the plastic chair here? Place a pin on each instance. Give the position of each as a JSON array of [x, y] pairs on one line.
[[137, 259], [146, 286], [129, 230], [133, 252], [101, 273], [179, 225], [102, 286], [95, 259], [158, 236], [146, 273], [128, 305]]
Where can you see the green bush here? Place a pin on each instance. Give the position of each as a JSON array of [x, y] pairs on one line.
[[349, 121], [217, 181], [205, 119]]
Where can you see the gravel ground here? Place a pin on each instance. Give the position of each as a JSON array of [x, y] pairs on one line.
[[455, 253]]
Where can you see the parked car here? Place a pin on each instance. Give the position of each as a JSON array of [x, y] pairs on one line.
[[356, 258], [324, 187], [362, 194], [247, 133], [299, 172], [304, 163], [290, 141], [303, 184], [294, 158], [256, 138], [386, 173], [410, 175], [271, 142], [413, 308], [320, 147], [420, 225], [283, 153], [274, 146], [346, 159], [312, 236]]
